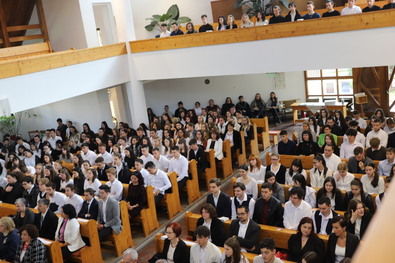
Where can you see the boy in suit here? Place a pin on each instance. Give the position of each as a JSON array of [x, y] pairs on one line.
[[90, 207], [218, 199], [108, 219], [46, 221]]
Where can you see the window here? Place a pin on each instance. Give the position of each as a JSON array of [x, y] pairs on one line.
[[330, 84], [391, 89]]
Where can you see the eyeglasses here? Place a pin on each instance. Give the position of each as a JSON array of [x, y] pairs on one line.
[[241, 214], [273, 159], [169, 233]]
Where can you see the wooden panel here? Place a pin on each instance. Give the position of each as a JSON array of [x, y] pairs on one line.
[[23, 38], [20, 50], [224, 8], [379, 19], [59, 59], [22, 28]]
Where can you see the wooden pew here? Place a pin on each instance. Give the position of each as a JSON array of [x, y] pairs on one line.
[[339, 140], [69, 166], [242, 157], [172, 200], [193, 185], [227, 168], [211, 171], [264, 135], [287, 160], [254, 142], [53, 249]]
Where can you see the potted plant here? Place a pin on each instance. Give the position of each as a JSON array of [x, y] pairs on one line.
[[172, 15]]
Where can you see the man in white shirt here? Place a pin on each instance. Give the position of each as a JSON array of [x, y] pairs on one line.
[[268, 252], [347, 148], [361, 122], [179, 164], [158, 180], [351, 9], [160, 161], [106, 155], [56, 199], [139, 166], [241, 199], [331, 159], [390, 127], [88, 155], [72, 198], [360, 137], [204, 251], [20, 142], [53, 138], [165, 32], [296, 208], [114, 184], [385, 166], [377, 132], [146, 156], [322, 218]]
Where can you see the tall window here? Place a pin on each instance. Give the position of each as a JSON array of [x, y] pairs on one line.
[[329, 84], [392, 89]]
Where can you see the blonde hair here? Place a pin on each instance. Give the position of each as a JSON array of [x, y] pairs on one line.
[[8, 223], [342, 166]]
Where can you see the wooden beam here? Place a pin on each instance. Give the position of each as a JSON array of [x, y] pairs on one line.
[[22, 28], [43, 22], [391, 79], [23, 38], [365, 89], [375, 73], [3, 24]]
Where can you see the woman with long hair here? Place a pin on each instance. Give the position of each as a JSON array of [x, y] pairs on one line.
[[231, 22], [232, 253], [323, 117], [319, 171], [137, 196], [274, 105], [278, 190], [330, 190], [309, 192], [307, 145], [357, 192], [358, 218], [256, 169], [330, 139], [260, 19], [249, 182], [222, 23], [296, 167], [372, 182]]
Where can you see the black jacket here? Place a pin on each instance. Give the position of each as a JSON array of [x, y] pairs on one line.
[[244, 107], [251, 237], [28, 219], [280, 176], [296, 252], [31, 198], [236, 140], [101, 173], [353, 165], [217, 230], [308, 148], [223, 206], [297, 16], [352, 243], [48, 227], [9, 245], [364, 224], [200, 157], [124, 174], [338, 199], [275, 212], [391, 140], [93, 210], [15, 193], [317, 219], [181, 253], [365, 198]]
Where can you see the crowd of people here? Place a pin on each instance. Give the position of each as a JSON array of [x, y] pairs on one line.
[[34, 175], [229, 22]]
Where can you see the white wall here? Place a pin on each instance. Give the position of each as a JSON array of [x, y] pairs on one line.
[[92, 108], [143, 9], [161, 92]]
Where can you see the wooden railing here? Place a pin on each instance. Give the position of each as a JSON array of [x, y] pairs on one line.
[[58, 59], [378, 19]]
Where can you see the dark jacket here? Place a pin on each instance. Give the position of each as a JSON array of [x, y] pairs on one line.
[[15, 193], [277, 19], [101, 173], [251, 237], [236, 140], [244, 107], [92, 212], [280, 176], [296, 252], [48, 227], [181, 253], [217, 230], [275, 212], [338, 199], [353, 165], [317, 219], [200, 157], [391, 140], [31, 197], [352, 243], [8, 245], [223, 206], [365, 198], [308, 148], [28, 219], [288, 17], [364, 224], [36, 252], [288, 148], [124, 174]]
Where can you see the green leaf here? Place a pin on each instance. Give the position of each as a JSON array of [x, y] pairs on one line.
[[164, 17], [150, 27], [240, 3], [183, 19], [173, 11], [156, 17]]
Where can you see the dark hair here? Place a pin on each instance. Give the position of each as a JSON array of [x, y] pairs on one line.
[[339, 219], [27, 179], [246, 208], [139, 177], [310, 135], [311, 256], [296, 190], [69, 210], [89, 191], [31, 230], [51, 184], [209, 209], [149, 165], [324, 200], [239, 185], [375, 181], [99, 160], [192, 142], [314, 122], [267, 243], [298, 163], [358, 150], [301, 180], [291, 4], [306, 220], [176, 227], [333, 182], [267, 185], [234, 244], [268, 175], [244, 167], [283, 132], [216, 181], [357, 182], [72, 187], [320, 158], [352, 207], [202, 231], [105, 187], [351, 132], [139, 161], [353, 123]]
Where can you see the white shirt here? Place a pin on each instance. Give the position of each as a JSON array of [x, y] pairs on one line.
[[243, 229], [347, 149], [162, 163], [75, 201], [30, 161], [59, 199], [293, 214], [159, 181], [89, 156], [107, 157], [368, 187], [340, 253], [382, 135], [350, 11], [216, 198], [165, 34], [94, 185], [148, 158], [180, 166], [251, 205], [63, 184], [53, 141], [317, 178], [389, 130], [384, 167], [116, 189], [332, 162], [104, 207], [258, 174], [343, 183], [288, 178], [362, 123], [359, 138], [310, 196], [251, 187]]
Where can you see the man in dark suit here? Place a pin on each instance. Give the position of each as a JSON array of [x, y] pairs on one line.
[[90, 207], [13, 189], [108, 218], [46, 221], [335, 129], [245, 230], [101, 169], [218, 199], [197, 153], [31, 191], [357, 163], [391, 140], [268, 209], [322, 217]]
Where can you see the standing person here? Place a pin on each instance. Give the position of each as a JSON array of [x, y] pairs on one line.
[[30, 248], [351, 8], [220, 200], [330, 11], [274, 105], [108, 218], [205, 25], [203, 250]]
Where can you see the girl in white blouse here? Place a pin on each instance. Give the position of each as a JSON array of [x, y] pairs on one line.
[[296, 167], [319, 172], [342, 177], [249, 182], [65, 179], [256, 169], [372, 182], [309, 193], [260, 19], [91, 181]]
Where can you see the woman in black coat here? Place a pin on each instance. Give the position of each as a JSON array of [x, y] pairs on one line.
[[307, 146], [359, 194], [329, 189], [358, 218], [305, 240], [137, 195], [9, 239], [277, 168], [341, 238], [23, 214], [216, 226]]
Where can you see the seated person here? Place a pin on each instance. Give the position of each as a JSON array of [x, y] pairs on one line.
[[376, 151], [335, 129], [377, 132], [158, 180], [160, 161], [357, 163], [137, 195], [341, 243], [385, 166], [305, 240], [216, 226], [390, 127], [307, 146], [351, 8], [268, 252], [31, 191], [296, 167], [46, 221], [205, 25], [309, 192], [358, 218], [277, 168], [319, 171], [276, 18], [391, 140], [371, 7], [330, 190], [108, 219], [241, 198], [347, 148], [234, 137], [73, 198], [360, 121], [123, 172], [13, 190], [360, 137], [101, 168], [68, 231], [203, 250], [379, 198], [245, 230], [30, 248], [197, 153], [220, 200], [390, 5], [164, 31], [179, 164], [293, 14], [278, 190], [9, 239], [330, 11], [233, 251], [322, 217], [357, 192], [114, 184], [56, 199], [24, 215], [372, 182], [256, 170], [268, 209], [310, 11], [91, 181], [90, 206], [286, 146], [249, 182], [296, 208], [176, 31], [327, 130], [88, 155]]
